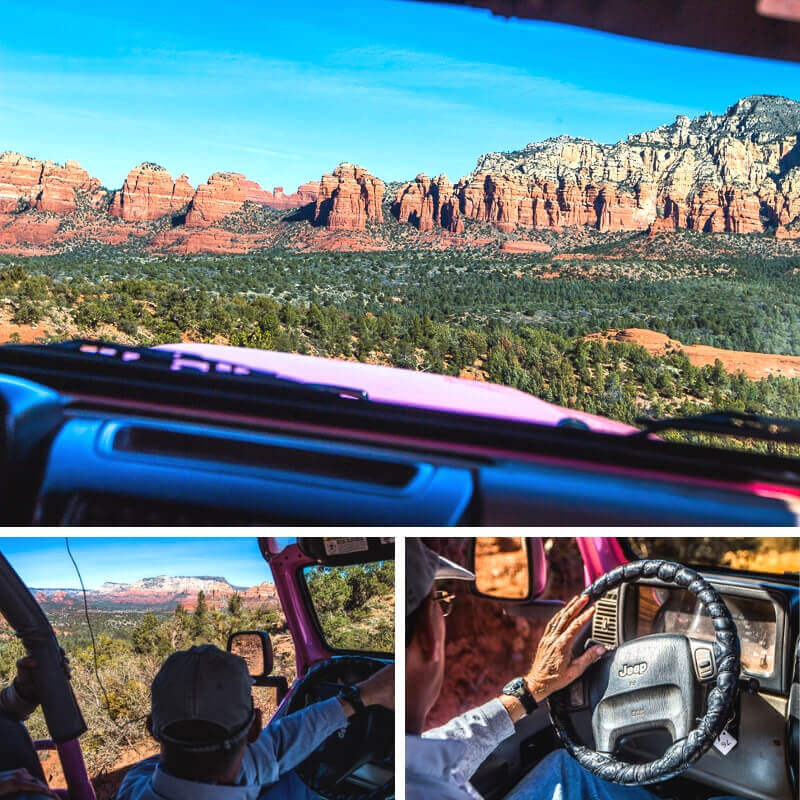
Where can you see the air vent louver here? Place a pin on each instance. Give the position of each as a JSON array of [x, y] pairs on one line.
[[604, 622]]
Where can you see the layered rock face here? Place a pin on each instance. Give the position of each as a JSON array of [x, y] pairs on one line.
[[226, 192], [149, 193], [428, 203], [349, 198], [223, 194], [738, 172], [44, 185]]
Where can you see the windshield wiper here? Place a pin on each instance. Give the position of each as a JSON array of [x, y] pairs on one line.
[[727, 423], [173, 361]]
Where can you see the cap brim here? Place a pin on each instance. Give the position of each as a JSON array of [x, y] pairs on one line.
[[447, 570]]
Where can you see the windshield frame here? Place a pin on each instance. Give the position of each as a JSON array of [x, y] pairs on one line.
[[305, 594]]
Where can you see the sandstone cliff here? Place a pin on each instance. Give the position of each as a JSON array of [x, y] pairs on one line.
[[46, 186], [428, 203], [226, 193], [738, 172], [149, 193], [348, 199]]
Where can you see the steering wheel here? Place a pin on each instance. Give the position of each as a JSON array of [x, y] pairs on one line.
[[368, 738], [654, 682]]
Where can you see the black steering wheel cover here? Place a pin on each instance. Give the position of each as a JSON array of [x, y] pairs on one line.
[[720, 699]]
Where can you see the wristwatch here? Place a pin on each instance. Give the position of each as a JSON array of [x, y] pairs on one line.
[[519, 689], [351, 695]]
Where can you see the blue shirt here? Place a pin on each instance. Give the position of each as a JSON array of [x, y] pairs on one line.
[[280, 747]]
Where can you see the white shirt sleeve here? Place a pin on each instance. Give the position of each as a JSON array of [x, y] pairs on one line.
[[480, 729]]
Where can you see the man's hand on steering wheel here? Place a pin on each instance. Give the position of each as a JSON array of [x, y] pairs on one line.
[[553, 666], [378, 689]]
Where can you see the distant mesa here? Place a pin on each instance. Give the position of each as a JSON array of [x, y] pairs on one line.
[[164, 591]]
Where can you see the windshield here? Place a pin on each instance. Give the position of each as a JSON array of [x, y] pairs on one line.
[[354, 605], [369, 185], [776, 555]]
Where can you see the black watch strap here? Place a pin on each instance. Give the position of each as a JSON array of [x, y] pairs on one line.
[[352, 696], [519, 689]]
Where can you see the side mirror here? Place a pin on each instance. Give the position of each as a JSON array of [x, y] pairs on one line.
[[509, 568], [255, 647]]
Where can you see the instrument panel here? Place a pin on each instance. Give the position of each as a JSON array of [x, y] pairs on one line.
[[671, 610]]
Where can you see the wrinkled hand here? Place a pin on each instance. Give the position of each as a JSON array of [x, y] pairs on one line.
[[24, 683], [553, 667], [16, 781], [378, 689]]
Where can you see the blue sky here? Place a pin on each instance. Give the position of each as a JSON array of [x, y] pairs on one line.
[[283, 92], [43, 561]]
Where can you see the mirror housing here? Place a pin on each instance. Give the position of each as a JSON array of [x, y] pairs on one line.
[[527, 574], [255, 647]]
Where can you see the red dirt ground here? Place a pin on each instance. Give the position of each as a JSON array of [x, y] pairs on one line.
[[754, 365]]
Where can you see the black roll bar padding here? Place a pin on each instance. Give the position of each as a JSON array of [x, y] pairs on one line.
[[22, 612]]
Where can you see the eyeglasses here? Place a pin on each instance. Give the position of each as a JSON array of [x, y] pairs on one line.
[[445, 600]]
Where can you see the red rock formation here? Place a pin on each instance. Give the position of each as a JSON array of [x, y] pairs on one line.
[[226, 192], [46, 186], [427, 203], [305, 194], [149, 193], [349, 198], [223, 194]]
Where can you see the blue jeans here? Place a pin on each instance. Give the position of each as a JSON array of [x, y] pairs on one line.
[[559, 776]]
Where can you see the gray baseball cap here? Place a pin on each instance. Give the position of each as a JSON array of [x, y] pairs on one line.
[[423, 567], [203, 684]]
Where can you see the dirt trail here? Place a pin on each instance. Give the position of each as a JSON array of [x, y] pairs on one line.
[[753, 365]]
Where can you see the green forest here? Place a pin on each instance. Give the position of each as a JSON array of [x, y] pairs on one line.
[[484, 311]]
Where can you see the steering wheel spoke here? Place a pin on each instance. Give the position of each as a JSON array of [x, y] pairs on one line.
[[654, 682]]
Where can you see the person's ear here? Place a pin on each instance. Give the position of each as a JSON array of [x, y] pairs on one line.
[[149, 725], [255, 727]]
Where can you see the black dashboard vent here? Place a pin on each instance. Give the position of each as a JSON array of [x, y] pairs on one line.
[[194, 446], [604, 622]]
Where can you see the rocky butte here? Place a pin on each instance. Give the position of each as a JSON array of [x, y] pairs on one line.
[[349, 198], [149, 193], [428, 204], [738, 172], [45, 186]]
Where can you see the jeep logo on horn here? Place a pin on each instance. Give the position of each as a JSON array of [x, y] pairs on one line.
[[633, 669]]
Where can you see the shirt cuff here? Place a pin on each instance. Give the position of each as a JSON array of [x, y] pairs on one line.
[[497, 719], [12, 702]]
